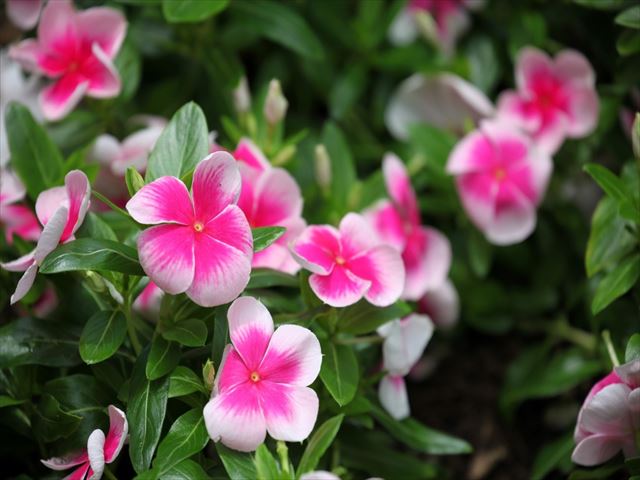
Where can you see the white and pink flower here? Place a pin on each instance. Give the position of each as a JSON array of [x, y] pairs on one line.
[[426, 252], [149, 301], [555, 98], [201, 243], [609, 420], [349, 263], [24, 14], [100, 450], [441, 304], [501, 178], [16, 219], [77, 50], [404, 343], [262, 385], [61, 211]]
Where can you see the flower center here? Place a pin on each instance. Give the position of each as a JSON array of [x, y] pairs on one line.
[[255, 377], [340, 260], [198, 226], [500, 174]]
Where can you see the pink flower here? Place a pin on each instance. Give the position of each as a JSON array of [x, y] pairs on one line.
[[555, 98], [501, 179], [201, 244], [442, 304], [16, 219], [404, 343], [46, 304], [100, 450], [263, 381], [24, 13], [609, 420], [426, 252], [76, 49], [148, 302], [61, 210], [349, 263], [248, 153]]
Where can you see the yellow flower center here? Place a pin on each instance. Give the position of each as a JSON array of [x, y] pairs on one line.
[[500, 174], [198, 226], [255, 377], [340, 260]]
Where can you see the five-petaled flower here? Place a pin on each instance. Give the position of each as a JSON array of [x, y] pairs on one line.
[[61, 210], [426, 252], [201, 244], [263, 381], [100, 450], [349, 263], [16, 219], [501, 178], [554, 99], [76, 49]]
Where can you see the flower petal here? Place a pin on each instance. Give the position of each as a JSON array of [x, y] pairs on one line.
[[79, 473], [571, 65], [20, 264], [104, 26], [165, 200], [11, 188], [608, 411], [248, 153], [58, 99], [356, 236], [235, 418], [399, 188], [290, 411], [629, 373], [167, 256], [392, 392], [68, 461], [49, 201], [442, 304], [595, 449], [118, 430], [232, 371], [250, 329], [24, 13], [405, 342], [231, 228], [388, 224], [293, 357], [24, 284], [57, 28], [78, 191], [583, 111], [403, 29], [103, 76], [19, 220], [28, 54], [277, 198], [51, 235], [95, 449], [531, 65], [216, 184], [319, 475], [316, 248], [512, 224], [381, 266], [340, 288], [427, 259]]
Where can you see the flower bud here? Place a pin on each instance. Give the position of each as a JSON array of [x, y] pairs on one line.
[[208, 374], [275, 106], [134, 180], [635, 136], [242, 96], [323, 167]]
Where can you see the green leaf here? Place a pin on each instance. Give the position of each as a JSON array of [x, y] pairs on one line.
[[616, 283], [614, 187], [266, 466], [182, 144], [34, 157], [186, 470], [480, 253], [95, 227], [190, 332], [628, 42], [364, 318], [191, 11], [163, 357], [146, 409], [343, 171], [128, 63], [419, 437], [220, 334], [7, 401], [632, 351], [186, 437], [50, 422], [339, 371], [281, 24], [551, 455], [599, 473], [629, 17], [265, 236], [102, 336], [93, 254], [267, 278], [318, 444], [239, 466], [184, 381]]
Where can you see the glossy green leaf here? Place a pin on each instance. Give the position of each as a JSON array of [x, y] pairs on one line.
[[628, 42], [186, 437], [102, 335], [318, 444], [51, 422], [632, 351], [629, 18], [342, 166], [186, 470], [614, 187], [7, 401], [163, 358], [190, 332], [184, 381], [364, 318], [551, 455], [95, 227], [266, 465], [339, 371], [616, 283], [267, 278], [191, 11], [239, 466], [265, 236]]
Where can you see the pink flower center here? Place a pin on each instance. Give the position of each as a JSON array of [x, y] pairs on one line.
[[340, 260], [500, 173], [198, 226], [255, 377]]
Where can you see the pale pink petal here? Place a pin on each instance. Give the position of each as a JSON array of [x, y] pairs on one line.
[[51, 235], [608, 411], [293, 357], [629, 373], [442, 304], [11, 188], [596, 449], [167, 256], [290, 411], [165, 200], [531, 65], [63, 463], [216, 184], [399, 188], [512, 225], [78, 192], [552, 132], [28, 53], [571, 65], [104, 26], [105, 150], [235, 418], [474, 153], [427, 259], [58, 99], [275, 257], [118, 430], [231, 228], [250, 329], [356, 236], [47, 302], [403, 29], [513, 108], [319, 475], [148, 302], [135, 149], [79, 473], [49, 201], [24, 13], [277, 198], [95, 450], [247, 152], [19, 220], [102, 75], [317, 247], [405, 342], [24, 284], [387, 223], [20, 264], [340, 288], [382, 266], [583, 111], [392, 393]]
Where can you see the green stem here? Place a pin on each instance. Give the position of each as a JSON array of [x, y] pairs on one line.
[[131, 328], [359, 340], [109, 474], [565, 331], [110, 204], [283, 454], [613, 356]]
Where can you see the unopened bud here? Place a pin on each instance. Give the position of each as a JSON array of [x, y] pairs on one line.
[[427, 26], [284, 156], [209, 374], [95, 282], [242, 96], [635, 136], [275, 106], [134, 180], [323, 167]]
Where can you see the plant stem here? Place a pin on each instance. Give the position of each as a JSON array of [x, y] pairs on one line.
[[110, 204], [358, 340], [613, 356], [575, 335], [131, 328], [109, 474], [283, 454]]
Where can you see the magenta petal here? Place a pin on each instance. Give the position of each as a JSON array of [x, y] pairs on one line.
[[583, 111], [105, 26], [63, 463], [387, 223], [383, 267], [317, 247], [340, 288], [232, 371], [290, 411], [103, 77], [57, 28], [78, 191], [24, 13], [399, 188], [572, 66], [427, 258], [118, 430], [216, 184], [58, 99], [79, 473], [166, 255], [552, 131], [165, 200], [19, 220], [250, 329], [231, 228], [248, 153], [608, 412], [532, 64]]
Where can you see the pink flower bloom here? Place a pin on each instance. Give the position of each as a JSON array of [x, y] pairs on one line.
[[47, 302], [426, 252], [442, 304], [201, 244], [555, 98], [349, 263], [248, 153], [404, 342], [61, 211], [76, 49], [609, 420], [319, 475], [501, 179], [16, 219], [24, 14], [263, 381], [148, 302], [100, 450]]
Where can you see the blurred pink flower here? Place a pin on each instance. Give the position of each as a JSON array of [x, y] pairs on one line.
[[609, 420], [555, 98], [501, 178], [24, 14], [263, 381], [100, 450], [248, 153], [442, 304], [148, 302], [76, 49], [16, 219], [201, 244], [61, 211], [349, 263], [426, 252]]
